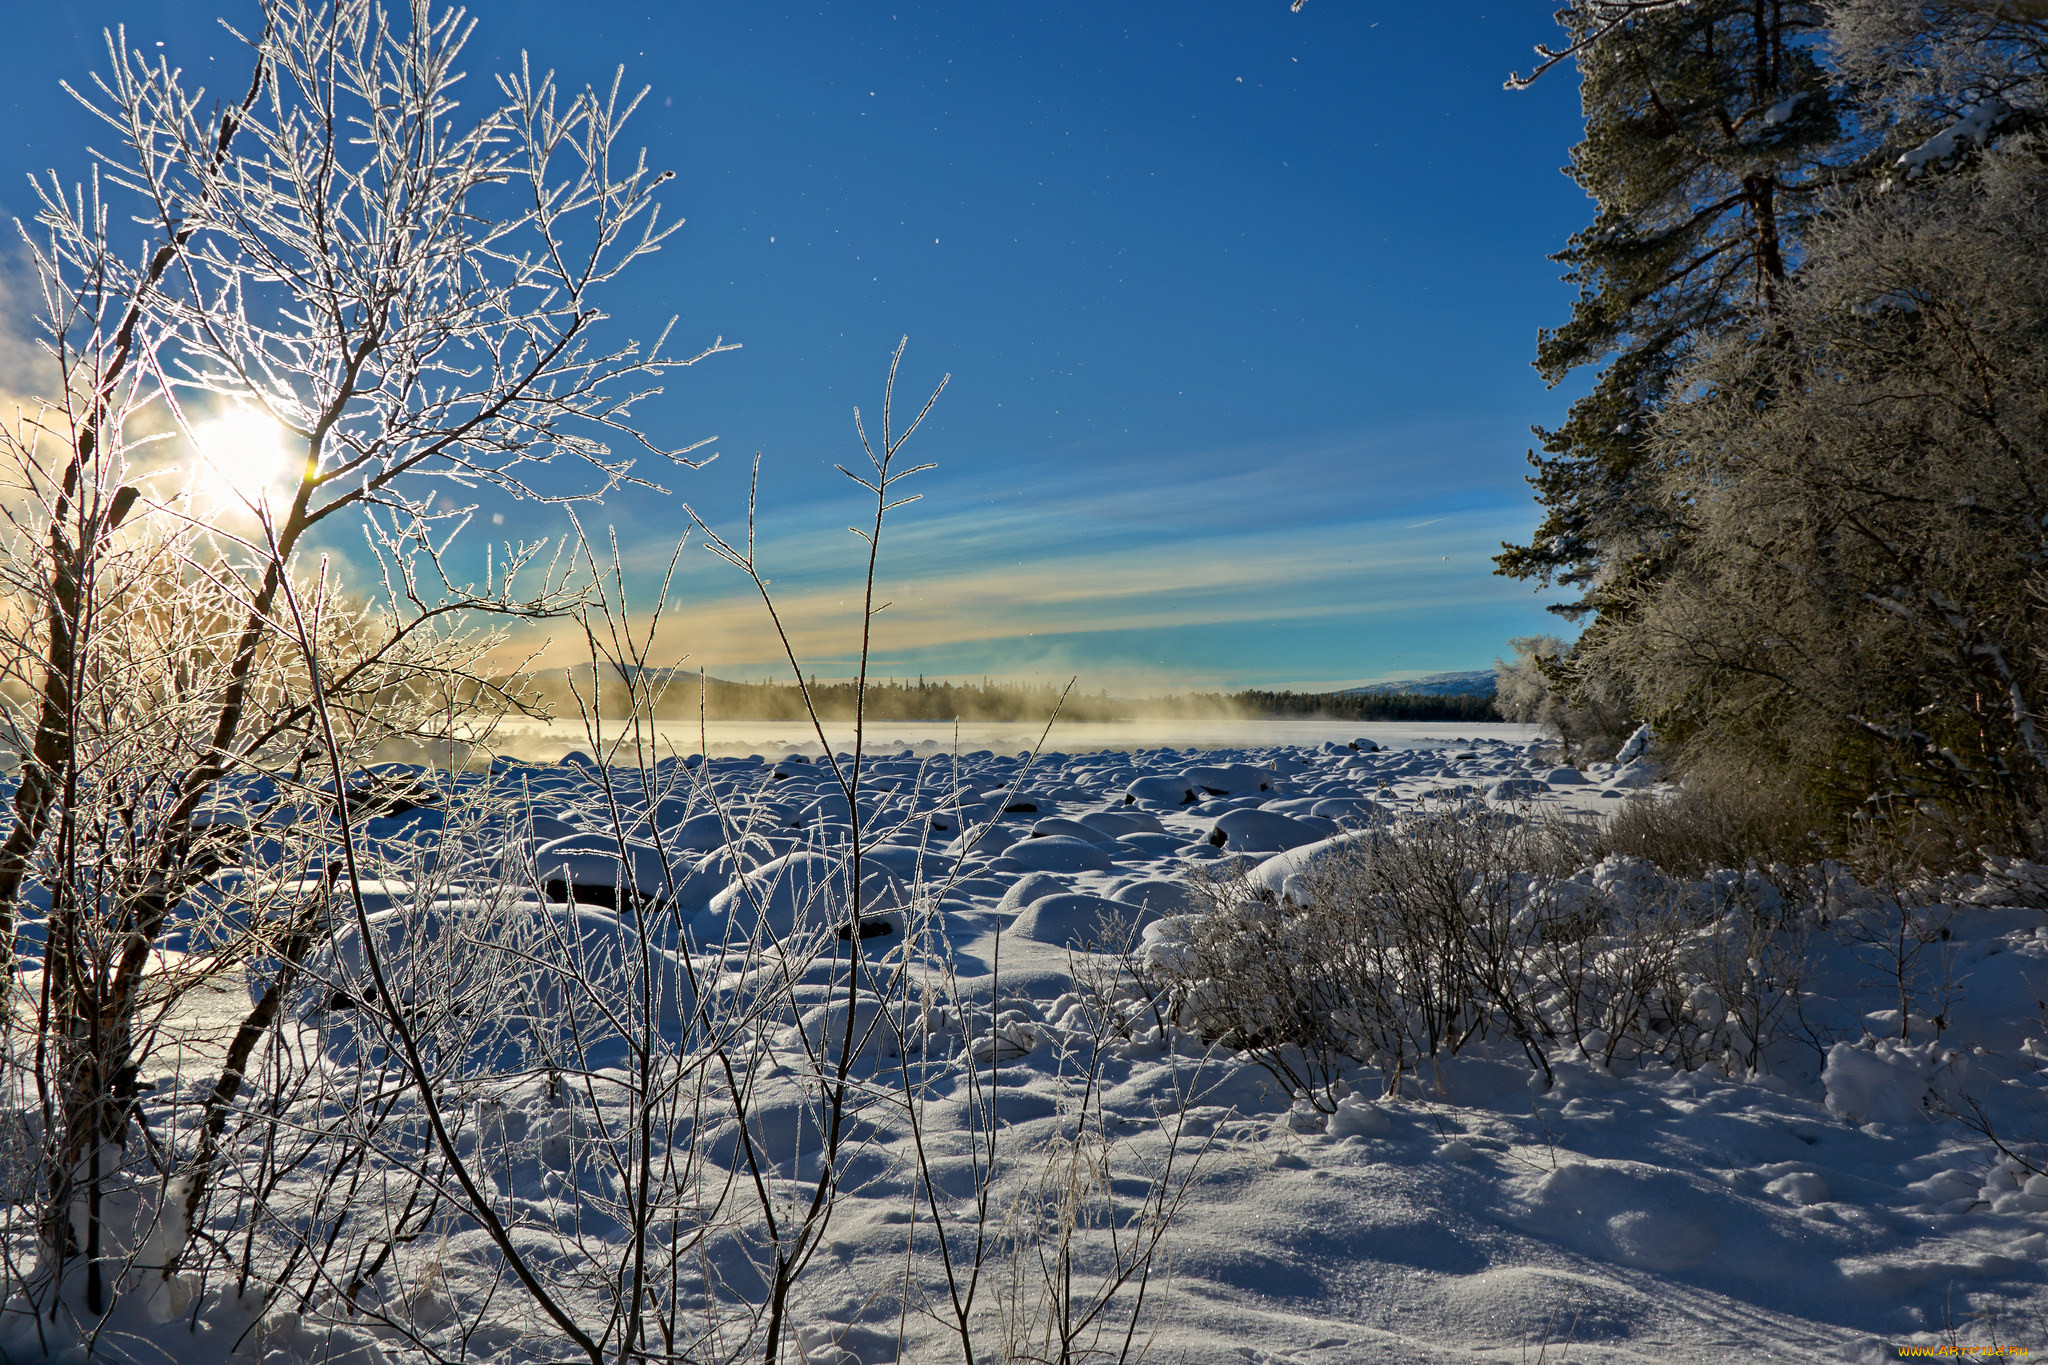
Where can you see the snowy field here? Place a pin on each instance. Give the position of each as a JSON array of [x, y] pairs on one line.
[[1793, 1189]]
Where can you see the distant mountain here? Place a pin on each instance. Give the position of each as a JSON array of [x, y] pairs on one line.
[[1477, 683]]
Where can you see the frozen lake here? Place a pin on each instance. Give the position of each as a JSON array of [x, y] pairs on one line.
[[770, 737]]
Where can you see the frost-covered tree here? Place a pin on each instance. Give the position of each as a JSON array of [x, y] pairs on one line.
[[1860, 599], [407, 294], [1538, 687], [1709, 128], [1921, 67]]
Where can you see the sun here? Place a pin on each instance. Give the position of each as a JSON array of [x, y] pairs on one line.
[[241, 454]]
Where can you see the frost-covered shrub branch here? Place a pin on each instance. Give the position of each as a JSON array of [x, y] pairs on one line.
[[634, 1085], [397, 295], [1407, 942]]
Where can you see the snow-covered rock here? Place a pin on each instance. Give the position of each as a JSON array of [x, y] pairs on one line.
[[1278, 875], [1055, 853], [1260, 831], [1229, 779], [1160, 791], [1071, 829], [1079, 920], [777, 898]]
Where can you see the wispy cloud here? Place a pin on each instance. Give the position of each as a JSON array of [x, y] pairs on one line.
[[1038, 578]]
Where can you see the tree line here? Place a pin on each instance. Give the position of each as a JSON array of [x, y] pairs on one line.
[[679, 697]]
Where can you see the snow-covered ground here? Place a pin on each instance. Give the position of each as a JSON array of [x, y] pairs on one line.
[[1828, 1203]]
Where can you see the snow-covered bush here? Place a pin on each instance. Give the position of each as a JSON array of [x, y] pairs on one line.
[[1457, 927], [1716, 818], [186, 686], [598, 1113]]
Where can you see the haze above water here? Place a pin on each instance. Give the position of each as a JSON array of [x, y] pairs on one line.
[[552, 740]]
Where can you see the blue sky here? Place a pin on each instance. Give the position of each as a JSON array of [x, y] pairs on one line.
[[1238, 305]]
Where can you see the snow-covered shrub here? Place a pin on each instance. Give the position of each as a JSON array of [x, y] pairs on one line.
[[635, 1122], [1457, 929], [1716, 818], [1389, 952], [188, 682]]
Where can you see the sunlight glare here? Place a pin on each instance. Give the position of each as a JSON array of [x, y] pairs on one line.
[[241, 453]]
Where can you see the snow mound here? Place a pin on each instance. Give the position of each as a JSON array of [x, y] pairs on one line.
[[1160, 791], [1881, 1081], [774, 899], [1279, 875], [1055, 853], [1079, 920], [1261, 831]]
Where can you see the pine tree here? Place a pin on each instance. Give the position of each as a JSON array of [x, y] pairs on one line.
[[1710, 124]]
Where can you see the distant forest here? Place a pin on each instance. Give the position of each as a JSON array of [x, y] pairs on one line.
[[900, 699], [1381, 706]]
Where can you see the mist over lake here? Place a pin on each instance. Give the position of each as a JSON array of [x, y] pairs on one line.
[[554, 739]]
